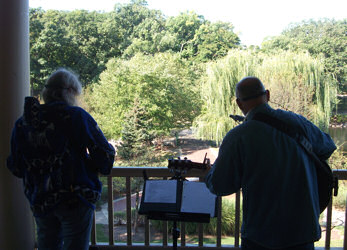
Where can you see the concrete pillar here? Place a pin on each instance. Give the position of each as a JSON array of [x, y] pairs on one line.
[[16, 221]]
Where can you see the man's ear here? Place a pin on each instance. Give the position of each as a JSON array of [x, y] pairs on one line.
[[240, 104], [267, 95]]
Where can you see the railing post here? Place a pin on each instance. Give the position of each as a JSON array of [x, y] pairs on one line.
[[201, 228], [219, 221], [147, 231], [183, 233], [165, 233], [201, 234], [128, 209], [93, 233], [345, 236], [165, 230], [328, 224], [237, 219], [110, 210]]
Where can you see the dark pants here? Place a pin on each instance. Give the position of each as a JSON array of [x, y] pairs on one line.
[[246, 244], [68, 227]]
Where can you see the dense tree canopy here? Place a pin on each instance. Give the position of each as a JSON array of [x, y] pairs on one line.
[[323, 37], [137, 22], [164, 85], [297, 82], [214, 40], [85, 41], [80, 40], [179, 70]]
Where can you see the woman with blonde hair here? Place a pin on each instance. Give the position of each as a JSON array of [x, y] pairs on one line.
[[58, 150]]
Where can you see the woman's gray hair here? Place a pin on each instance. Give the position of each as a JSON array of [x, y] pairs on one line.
[[62, 85]]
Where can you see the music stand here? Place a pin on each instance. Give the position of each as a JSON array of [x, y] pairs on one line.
[[177, 200]]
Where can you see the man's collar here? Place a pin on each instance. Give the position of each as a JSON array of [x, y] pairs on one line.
[[255, 110]]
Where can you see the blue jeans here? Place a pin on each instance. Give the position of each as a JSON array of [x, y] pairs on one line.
[[68, 227], [247, 244]]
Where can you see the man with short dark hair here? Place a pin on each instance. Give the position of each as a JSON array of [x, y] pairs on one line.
[[278, 179]]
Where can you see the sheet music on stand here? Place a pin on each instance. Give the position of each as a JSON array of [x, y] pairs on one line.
[[161, 191], [196, 198], [178, 200]]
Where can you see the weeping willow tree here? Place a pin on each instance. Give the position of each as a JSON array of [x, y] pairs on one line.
[[218, 94], [297, 82]]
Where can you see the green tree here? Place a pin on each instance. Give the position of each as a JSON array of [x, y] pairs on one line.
[[85, 41], [108, 40], [182, 29], [135, 21], [165, 84], [214, 40], [324, 37], [82, 29], [52, 48], [296, 80], [36, 26], [81, 40], [136, 137], [147, 38]]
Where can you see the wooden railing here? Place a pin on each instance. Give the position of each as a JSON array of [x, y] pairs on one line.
[[130, 172]]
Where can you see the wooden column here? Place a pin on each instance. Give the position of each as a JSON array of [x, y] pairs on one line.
[[16, 221]]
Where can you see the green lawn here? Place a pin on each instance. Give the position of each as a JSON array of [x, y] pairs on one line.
[[102, 236], [101, 233]]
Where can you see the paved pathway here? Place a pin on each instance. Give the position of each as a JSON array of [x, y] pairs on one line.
[[195, 150], [101, 216]]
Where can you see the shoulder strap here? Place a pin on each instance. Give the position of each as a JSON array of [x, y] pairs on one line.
[[301, 139], [298, 136], [326, 181]]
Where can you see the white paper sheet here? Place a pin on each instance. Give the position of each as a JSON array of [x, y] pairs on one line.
[[161, 191], [197, 198]]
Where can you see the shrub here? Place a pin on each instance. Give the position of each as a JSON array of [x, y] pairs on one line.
[[227, 227], [121, 216], [338, 159], [340, 200]]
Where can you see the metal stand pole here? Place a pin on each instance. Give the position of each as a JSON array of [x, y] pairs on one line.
[[175, 234]]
